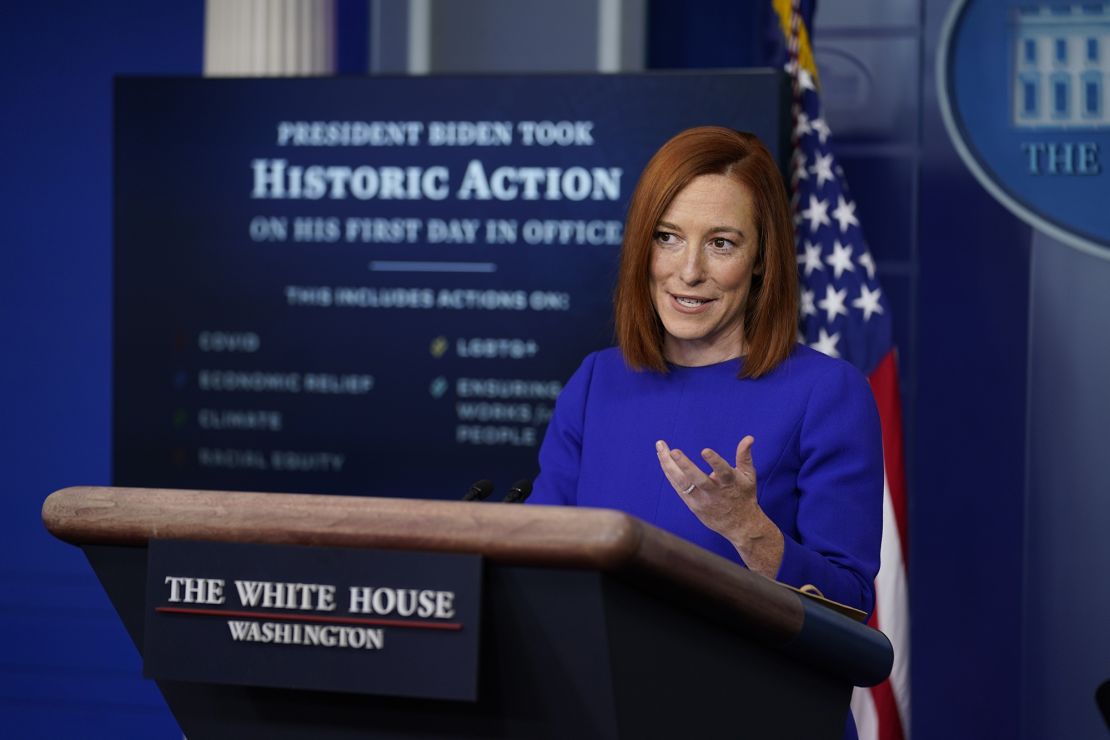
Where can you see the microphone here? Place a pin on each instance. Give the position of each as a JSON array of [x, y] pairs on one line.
[[479, 490], [520, 490]]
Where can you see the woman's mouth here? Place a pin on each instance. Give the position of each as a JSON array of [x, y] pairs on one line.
[[690, 303]]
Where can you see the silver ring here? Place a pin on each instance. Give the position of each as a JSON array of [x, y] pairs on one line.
[[687, 490]]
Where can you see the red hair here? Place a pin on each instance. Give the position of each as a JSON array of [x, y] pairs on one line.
[[771, 313]]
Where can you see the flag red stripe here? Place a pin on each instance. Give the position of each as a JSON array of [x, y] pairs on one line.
[[884, 384], [886, 708], [890, 725]]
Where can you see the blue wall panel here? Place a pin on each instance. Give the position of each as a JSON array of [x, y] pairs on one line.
[[1067, 605], [68, 667], [967, 506]]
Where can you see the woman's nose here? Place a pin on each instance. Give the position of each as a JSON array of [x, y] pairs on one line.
[[693, 265]]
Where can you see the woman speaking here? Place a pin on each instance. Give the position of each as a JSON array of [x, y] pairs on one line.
[[709, 420]]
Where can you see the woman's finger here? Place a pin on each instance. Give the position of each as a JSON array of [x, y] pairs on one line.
[[691, 472], [722, 470], [679, 470], [744, 464], [670, 469]]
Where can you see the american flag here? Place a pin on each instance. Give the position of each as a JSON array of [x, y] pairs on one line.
[[844, 313]]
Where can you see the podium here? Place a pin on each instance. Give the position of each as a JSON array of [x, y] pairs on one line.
[[594, 624]]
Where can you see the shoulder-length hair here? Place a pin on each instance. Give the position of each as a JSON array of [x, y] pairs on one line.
[[771, 313]]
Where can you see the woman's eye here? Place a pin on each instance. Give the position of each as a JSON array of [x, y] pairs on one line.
[[665, 237], [721, 243]]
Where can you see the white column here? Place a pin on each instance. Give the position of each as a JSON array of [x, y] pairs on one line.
[[621, 28], [609, 36], [420, 37], [269, 38]]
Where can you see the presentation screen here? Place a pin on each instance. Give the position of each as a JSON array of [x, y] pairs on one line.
[[375, 285]]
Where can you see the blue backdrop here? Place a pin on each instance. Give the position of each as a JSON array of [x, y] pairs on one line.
[[67, 666]]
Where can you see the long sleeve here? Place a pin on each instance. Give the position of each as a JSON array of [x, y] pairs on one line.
[[840, 491], [561, 451]]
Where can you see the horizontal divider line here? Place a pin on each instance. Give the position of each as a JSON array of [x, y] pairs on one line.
[[311, 618], [427, 266]]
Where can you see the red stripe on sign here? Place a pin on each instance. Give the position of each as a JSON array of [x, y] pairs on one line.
[[413, 624]]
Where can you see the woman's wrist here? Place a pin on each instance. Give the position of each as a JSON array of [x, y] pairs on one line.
[[759, 542]]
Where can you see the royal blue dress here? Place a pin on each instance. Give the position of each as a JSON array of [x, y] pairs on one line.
[[817, 454]]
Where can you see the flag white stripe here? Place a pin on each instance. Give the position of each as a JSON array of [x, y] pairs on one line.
[[863, 711], [892, 603], [892, 598]]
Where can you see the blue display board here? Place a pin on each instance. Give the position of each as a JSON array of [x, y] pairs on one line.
[[376, 285]]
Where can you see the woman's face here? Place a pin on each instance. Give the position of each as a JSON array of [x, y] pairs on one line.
[[703, 255]]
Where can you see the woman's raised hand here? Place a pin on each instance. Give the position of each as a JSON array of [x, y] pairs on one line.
[[725, 501]]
